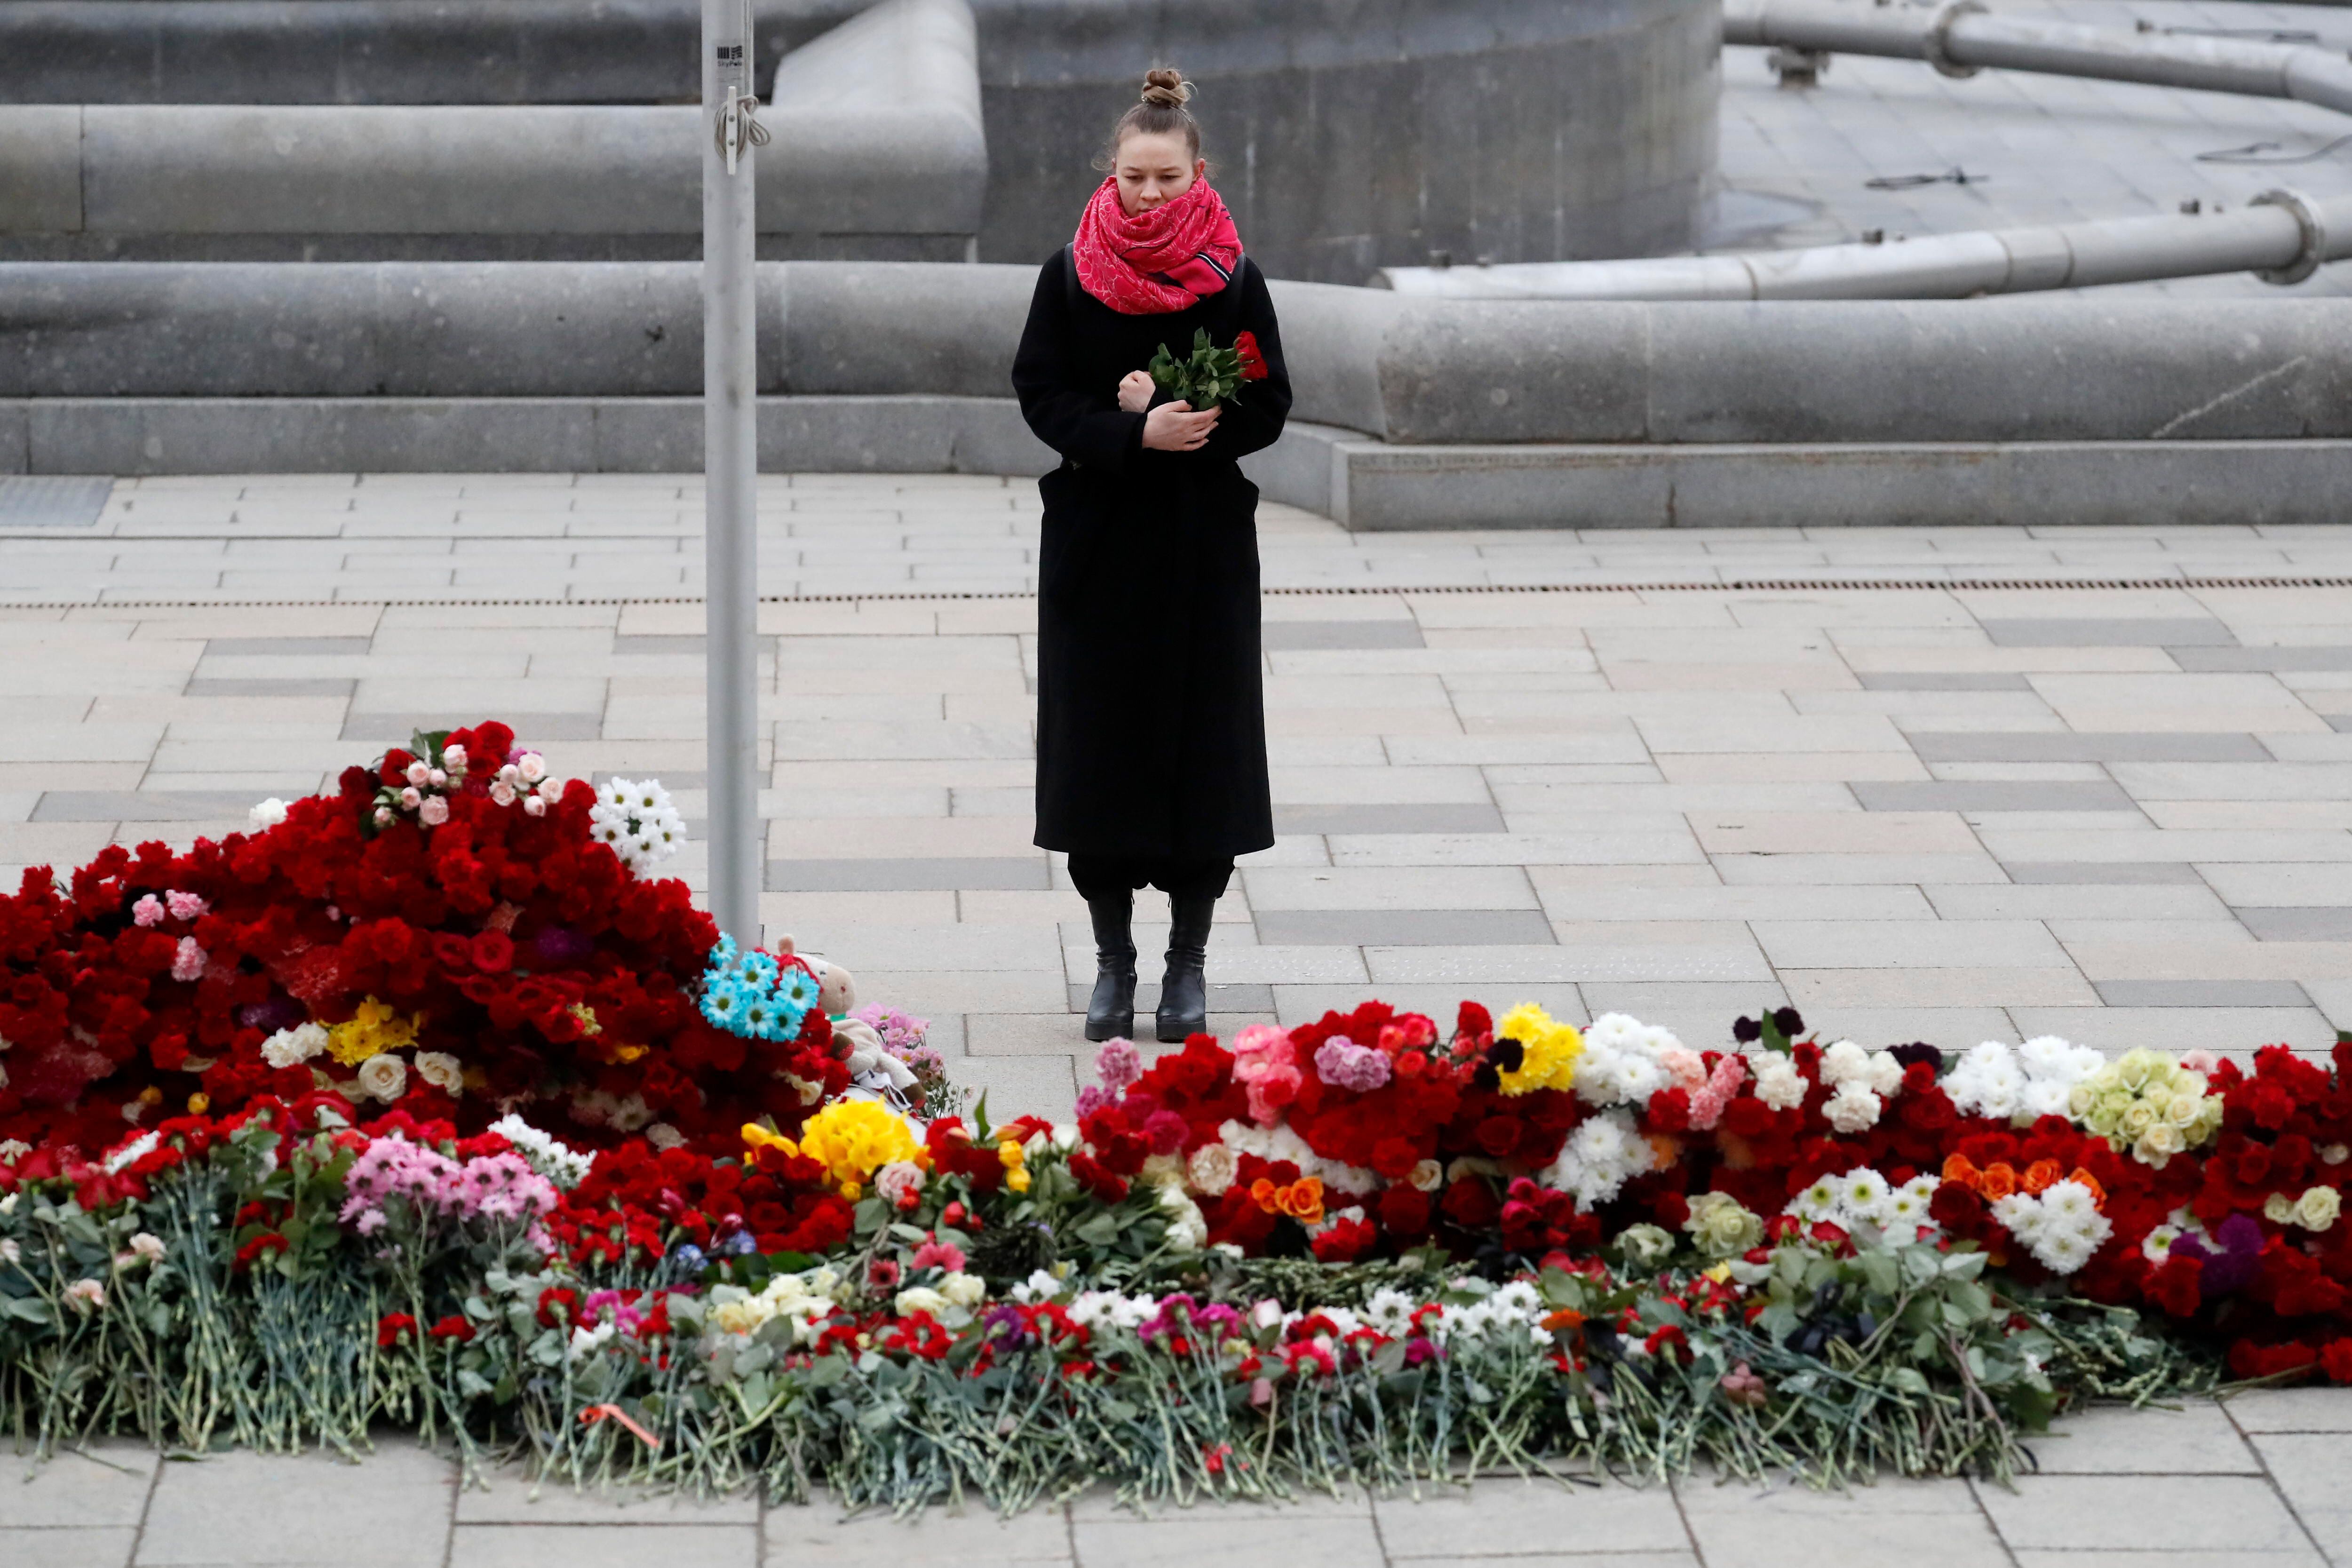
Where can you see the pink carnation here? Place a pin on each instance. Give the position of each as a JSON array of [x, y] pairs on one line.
[[1119, 1064], [1709, 1101], [185, 906], [147, 912], [188, 960]]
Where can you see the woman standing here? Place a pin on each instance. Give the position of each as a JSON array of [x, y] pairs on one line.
[[1151, 716]]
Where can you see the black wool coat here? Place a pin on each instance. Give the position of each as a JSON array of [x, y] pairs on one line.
[[1151, 710]]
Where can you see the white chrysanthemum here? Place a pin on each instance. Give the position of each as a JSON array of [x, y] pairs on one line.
[[639, 823], [2046, 1097], [560, 1163], [1861, 1193], [1389, 1312], [2069, 1203], [1818, 1202], [2157, 1245], [1520, 1298], [1907, 1205], [1599, 1157], [1986, 1083], [2019, 1214]]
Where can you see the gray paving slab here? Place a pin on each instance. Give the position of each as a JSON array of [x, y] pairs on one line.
[[2068, 746], [2107, 873], [2201, 994], [2106, 631], [1385, 816], [392, 1511], [1993, 795], [2322, 923], [2274, 660], [821, 875], [1395, 928], [1942, 680]]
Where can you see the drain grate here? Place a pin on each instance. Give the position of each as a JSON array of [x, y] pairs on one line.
[[53, 500]]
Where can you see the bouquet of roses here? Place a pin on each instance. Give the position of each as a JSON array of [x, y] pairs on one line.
[[1209, 375]]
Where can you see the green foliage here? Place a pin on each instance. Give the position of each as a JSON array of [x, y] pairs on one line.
[[1208, 376]]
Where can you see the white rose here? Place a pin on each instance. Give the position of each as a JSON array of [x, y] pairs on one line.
[[502, 793], [2318, 1207], [434, 811], [1213, 1168], [441, 1070], [920, 1299], [966, 1290], [1425, 1176], [292, 1047], [385, 1077], [2279, 1209], [530, 768]]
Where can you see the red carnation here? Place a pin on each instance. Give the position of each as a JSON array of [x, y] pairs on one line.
[[453, 1327], [558, 1307], [393, 1327], [493, 952]]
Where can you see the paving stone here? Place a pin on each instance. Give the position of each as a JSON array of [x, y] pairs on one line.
[[1399, 927], [2176, 899], [284, 647], [816, 1536], [1187, 1540], [1394, 632], [2249, 886], [1894, 944], [2127, 873], [1254, 997], [142, 805], [534, 728], [2197, 1439], [2170, 1512], [106, 1486], [2263, 658], [894, 874], [1521, 1519], [599, 1545], [2065, 746], [2324, 923], [1742, 1526], [2088, 632], [2232, 1029], [58, 1547], [1402, 887], [2201, 994], [1771, 871], [2311, 1408], [1389, 817], [392, 1512], [1942, 680], [2022, 795]]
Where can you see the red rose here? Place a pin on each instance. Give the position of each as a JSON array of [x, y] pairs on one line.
[[493, 952], [1253, 362]]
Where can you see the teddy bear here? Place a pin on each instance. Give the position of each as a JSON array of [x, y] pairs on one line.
[[870, 1066]]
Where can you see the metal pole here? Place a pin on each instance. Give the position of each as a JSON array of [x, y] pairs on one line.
[[730, 469]]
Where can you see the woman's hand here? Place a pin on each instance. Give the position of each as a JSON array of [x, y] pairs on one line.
[[1174, 427], [1135, 390]]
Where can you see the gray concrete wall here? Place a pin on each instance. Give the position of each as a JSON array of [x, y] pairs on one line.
[[1348, 134], [1351, 134], [876, 131], [1411, 372], [376, 51]]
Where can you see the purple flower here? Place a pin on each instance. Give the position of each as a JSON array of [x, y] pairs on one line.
[[1006, 1327], [2233, 1266], [1119, 1064], [560, 947]]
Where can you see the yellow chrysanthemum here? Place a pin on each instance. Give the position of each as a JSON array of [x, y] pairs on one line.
[[1548, 1050], [852, 1138], [374, 1030]]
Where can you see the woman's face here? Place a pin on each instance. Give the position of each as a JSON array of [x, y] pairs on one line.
[[1154, 169]]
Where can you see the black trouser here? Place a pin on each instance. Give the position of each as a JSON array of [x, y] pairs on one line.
[[1107, 876]]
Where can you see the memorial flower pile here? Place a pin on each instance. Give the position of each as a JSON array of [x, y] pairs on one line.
[[421, 1102]]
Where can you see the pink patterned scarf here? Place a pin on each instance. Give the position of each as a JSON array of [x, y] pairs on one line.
[[1164, 259]]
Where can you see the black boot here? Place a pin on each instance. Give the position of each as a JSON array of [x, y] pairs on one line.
[[1110, 1014], [1184, 993]]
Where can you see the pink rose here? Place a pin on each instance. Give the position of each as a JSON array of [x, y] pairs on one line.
[[434, 811]]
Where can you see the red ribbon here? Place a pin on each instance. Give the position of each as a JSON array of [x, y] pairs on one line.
[[595, 1413]]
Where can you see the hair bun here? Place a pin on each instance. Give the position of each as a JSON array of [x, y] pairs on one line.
[[1167, 88]]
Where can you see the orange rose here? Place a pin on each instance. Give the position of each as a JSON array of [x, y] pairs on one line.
[[1961, 1172], [1303, 1200], [1265, 1194], [2098, 1193], [1997, 1181], [2042, 1175]]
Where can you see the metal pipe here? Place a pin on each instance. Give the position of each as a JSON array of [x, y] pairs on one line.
[[2281, 236], [731, 470], [1962, 38]]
